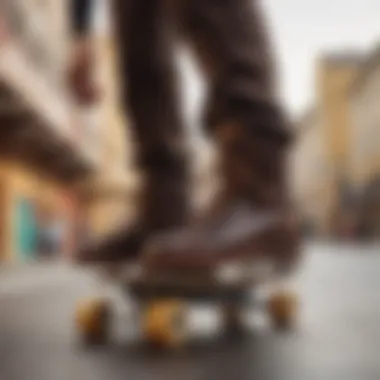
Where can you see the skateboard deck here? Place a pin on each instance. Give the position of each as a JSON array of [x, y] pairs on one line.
[[195, 285], [199, 290]]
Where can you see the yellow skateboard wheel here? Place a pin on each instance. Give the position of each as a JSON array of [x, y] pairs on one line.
[[283, 309], [92, 319], [164, 323]]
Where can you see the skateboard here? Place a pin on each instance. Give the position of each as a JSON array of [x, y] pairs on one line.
[[162, 301]]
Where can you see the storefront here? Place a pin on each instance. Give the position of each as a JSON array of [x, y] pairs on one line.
[[25, 229], [35, 212]]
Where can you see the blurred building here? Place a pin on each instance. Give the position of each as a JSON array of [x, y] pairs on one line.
[[112, 194], [347, 118], [45, 148], [310, 174], [320, 163], [335, 75], [365, 142]]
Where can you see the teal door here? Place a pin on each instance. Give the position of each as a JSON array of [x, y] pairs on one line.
[[26, 230]]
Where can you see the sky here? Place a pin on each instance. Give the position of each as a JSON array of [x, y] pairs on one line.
[[301, 31]]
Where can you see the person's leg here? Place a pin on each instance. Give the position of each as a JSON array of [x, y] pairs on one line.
[[244, 118], [230, 41], [149, 95]]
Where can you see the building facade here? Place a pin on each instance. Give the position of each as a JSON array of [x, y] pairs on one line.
[[44, 150], [321, 159], [364, 150], [335, 74], [113, 191], [347, 91], [309, 174]]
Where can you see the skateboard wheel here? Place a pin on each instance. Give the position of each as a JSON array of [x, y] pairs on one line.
[[92, 318], [282, 309], [164, 323]]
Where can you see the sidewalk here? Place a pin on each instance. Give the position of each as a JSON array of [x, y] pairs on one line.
[[14, 268], [26, 277]]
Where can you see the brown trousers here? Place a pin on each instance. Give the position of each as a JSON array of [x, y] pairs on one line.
[[229, 41]]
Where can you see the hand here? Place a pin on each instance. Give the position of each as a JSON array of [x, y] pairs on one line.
[[80, 73]]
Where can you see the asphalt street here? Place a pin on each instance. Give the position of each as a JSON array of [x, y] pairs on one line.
[[338, 335]]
